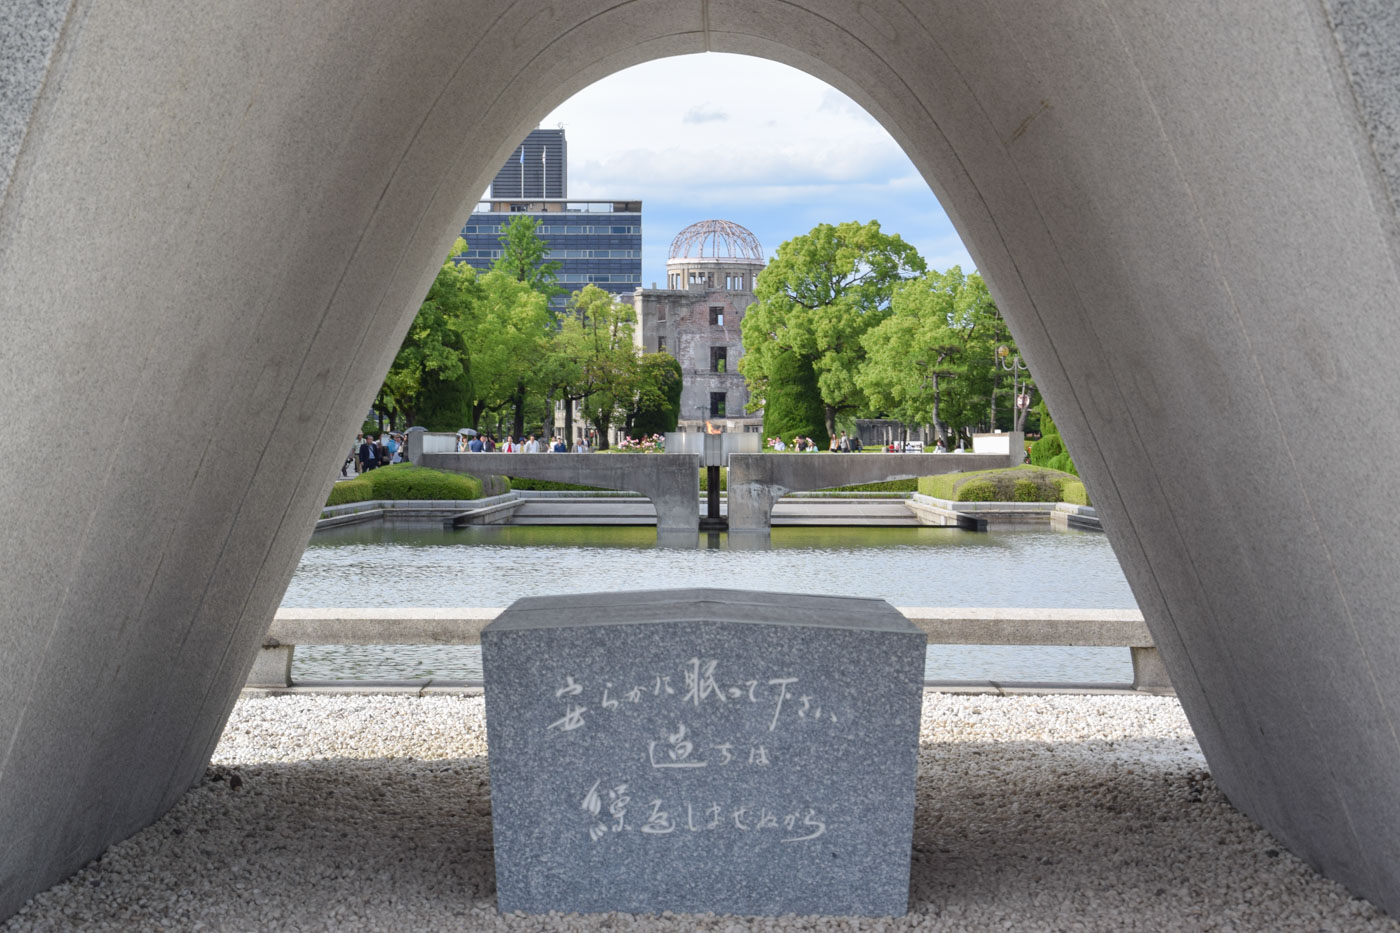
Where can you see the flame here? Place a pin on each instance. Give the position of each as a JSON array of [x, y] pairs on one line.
[[711, 429]]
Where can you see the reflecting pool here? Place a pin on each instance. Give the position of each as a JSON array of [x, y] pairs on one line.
[[384, 565]]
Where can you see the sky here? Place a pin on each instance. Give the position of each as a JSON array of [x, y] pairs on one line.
[[744, 139]]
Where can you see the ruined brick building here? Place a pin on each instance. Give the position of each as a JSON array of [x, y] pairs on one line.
[[709, 285]]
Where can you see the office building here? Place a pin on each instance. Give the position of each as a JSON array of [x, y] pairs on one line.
[[595, 242], [539, 168]]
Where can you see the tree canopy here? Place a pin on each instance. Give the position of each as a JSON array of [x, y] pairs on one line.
[[933, 359], [821, 292], [523, 255], [594, 360], [432, 357]]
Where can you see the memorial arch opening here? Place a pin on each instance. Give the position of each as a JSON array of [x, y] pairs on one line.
[[216, 221]]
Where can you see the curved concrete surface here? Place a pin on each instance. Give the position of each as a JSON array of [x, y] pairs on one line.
[[217, 220]]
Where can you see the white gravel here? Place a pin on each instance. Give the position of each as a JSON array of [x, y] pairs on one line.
[[373, 813]]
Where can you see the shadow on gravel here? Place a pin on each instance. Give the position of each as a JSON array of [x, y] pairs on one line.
[[1091, 835]]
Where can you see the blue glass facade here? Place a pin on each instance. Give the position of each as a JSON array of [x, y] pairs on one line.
[[594, 242]]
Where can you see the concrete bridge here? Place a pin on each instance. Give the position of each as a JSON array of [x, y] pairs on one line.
[[758, 481], [670, 481], [1187, 210]]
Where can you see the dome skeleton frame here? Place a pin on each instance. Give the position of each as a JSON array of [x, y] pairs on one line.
[[724, 239]]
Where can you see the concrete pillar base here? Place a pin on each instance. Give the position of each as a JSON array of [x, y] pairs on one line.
[[272, 667], [1149, 673]]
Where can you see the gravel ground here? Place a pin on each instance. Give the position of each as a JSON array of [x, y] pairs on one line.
[[373, 813]]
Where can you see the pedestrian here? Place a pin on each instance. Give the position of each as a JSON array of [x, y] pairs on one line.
[[489, 444], [835, 444], [845, 444], [367, 454], [532, 446], [559, 446], [475, 446]]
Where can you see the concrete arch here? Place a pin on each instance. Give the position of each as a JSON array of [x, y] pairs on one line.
[[216, 219]]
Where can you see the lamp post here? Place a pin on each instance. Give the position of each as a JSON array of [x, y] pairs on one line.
[[1013, 364]]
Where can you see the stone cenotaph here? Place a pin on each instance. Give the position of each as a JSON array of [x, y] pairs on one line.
[[701, 750]]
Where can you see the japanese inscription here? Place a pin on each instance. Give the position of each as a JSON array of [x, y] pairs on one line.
[[703, 764], [676, 748]]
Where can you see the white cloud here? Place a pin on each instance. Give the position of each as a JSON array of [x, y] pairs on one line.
[[750, 140], [701, 115]]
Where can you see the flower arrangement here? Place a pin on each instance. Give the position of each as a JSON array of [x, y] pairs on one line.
[[646, 445]]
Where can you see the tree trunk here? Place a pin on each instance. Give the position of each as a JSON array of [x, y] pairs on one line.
[[830, 421], [940, 430], [996, 377], [477, 409], [519, 402]]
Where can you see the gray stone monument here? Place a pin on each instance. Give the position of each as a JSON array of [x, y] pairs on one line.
[[703, 750]]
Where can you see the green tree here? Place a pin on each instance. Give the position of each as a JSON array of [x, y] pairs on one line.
[[430, 361], [797, 409], [656, 404], [505, 336], [523, 257], [593, 359], [820, 294], [932, 357]]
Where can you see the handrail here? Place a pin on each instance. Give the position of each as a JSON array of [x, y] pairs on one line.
[[944, 626], [941, 625]]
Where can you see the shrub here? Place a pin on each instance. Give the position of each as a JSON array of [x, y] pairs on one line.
[[406, 481], [893, 485], [1063, 463], [1018, 484], [1048, 447], [1073, 492], [978, 490], [370, 427], [723, 479], [520, 482], [352, 490], [1023, 490]]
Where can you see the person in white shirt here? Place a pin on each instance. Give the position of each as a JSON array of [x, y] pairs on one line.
[[532, 446]]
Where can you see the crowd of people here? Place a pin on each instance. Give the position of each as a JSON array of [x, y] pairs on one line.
[[369, 452], [485, 444]]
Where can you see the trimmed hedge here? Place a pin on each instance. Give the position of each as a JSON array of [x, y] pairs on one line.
[[549, 485], [723, 479], [1017, 484], [406, 481], [892, 485], [1073, 492], [1047, 448], [1063, 463], [352, 490]]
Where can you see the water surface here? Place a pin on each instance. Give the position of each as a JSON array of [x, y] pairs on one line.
[[382, 565]]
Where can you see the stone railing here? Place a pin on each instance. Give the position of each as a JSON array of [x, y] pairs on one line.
[[1122, 628]]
